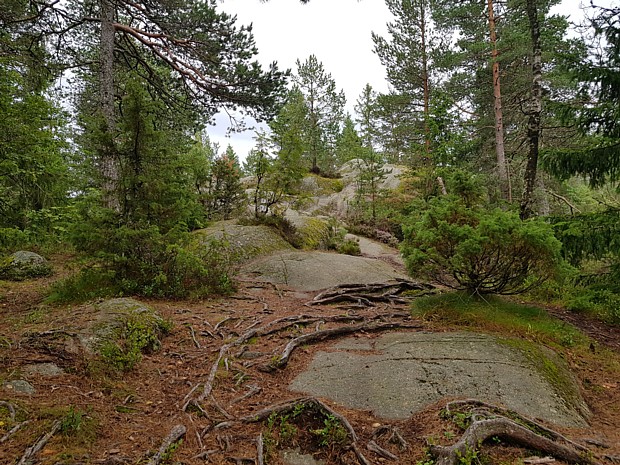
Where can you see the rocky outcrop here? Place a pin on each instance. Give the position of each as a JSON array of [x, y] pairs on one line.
[[23, 265]]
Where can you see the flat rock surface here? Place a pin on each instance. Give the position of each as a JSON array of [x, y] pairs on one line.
[[405, 372], [312, 271]]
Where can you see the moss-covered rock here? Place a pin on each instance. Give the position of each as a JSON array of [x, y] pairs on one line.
[[244, 242], [124, 329], [23, 265]]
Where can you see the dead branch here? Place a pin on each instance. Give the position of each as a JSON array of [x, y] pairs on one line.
[[174, 436], [39, 444], [480, 430], [330, 333]]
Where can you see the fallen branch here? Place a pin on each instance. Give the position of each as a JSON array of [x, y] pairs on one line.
[[39, 444], [175, 435], [282, 361]]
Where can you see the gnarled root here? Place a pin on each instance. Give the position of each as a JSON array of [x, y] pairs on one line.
[[487, 425]]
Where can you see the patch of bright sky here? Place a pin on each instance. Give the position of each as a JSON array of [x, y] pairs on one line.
[[337, 32]]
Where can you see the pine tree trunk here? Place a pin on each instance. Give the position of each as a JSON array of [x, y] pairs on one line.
[[425, 82], [533, 125], [108, 163], [502, 167]]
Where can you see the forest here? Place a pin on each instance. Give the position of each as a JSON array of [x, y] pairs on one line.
[[498, 112], [504, 120]]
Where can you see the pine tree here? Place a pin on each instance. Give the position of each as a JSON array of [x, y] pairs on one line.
[[349, 145], [408, 58], [325, 108]]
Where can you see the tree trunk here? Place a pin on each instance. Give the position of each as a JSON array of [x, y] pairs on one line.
[[502, 167], [533, 125], [425, 82], [108, 162]]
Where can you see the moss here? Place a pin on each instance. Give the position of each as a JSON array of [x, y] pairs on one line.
[[315, 232], [244, 242], [553, 368], [137, 330], [329, 185], [23, 265]]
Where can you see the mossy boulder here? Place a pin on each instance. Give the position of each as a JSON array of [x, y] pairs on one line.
[[24, 265], [244, 242], [123, 330]]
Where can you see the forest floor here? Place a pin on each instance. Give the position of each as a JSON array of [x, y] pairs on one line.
[[217, 369]]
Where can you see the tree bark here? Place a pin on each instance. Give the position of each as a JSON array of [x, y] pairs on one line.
[[425, 81], [533, 125], [502, 167], [108, 162]]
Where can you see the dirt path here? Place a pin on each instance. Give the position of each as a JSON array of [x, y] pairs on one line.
[[232, 346]]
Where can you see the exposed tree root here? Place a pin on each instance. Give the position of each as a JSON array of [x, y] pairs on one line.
[[369, 294], [395, 436], [282, 361], [13, 430], [175, 435], [489, 421], [380, 451], [33, 450], [9, 406]]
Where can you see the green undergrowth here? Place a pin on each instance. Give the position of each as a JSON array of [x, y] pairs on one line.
[[500, 316], [527, 328], [304, 426], [139, 333]]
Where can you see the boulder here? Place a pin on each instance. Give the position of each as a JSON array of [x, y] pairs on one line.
[[244, 242], [23, 265]]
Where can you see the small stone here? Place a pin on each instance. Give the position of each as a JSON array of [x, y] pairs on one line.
[[20, 385], [44, 369]]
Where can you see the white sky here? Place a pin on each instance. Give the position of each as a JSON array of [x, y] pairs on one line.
[[338, 32]]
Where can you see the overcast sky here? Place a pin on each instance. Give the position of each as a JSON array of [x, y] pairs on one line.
[[338, 32]]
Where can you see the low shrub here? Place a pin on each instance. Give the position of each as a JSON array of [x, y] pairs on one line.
[[483, 251]]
